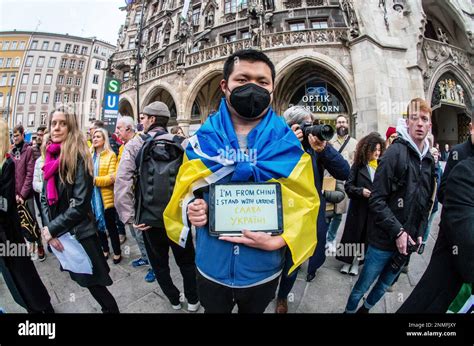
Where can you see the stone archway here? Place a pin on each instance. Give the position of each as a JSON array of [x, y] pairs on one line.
[[204, 97], [451, 102], [160, 93], [126, 108], [317, 83]]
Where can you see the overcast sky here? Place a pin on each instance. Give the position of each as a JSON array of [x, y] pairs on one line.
[[85, 18]]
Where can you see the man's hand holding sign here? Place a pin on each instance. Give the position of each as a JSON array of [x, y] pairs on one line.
[[246, 214]]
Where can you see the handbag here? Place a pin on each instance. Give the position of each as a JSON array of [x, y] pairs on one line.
[[29, 226]]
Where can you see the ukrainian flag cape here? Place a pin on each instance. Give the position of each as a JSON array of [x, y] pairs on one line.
[[275, 155]]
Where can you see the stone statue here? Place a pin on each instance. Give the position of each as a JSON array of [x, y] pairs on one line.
[[348, 7], [460, 93], [442, 36], [210, 17], [181, 56], [256, 36], [442, 90]]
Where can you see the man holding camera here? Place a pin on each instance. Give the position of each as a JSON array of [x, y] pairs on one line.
[[324, 157], [400, 204]]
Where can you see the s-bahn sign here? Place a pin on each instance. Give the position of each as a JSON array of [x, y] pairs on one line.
[[111, 103]]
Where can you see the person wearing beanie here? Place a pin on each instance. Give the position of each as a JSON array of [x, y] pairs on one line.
[[390, 136], [154, 118]]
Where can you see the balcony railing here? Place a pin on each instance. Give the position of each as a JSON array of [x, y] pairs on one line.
[[125, 54], [216, 52], [158, 71], [289, 4], [303, 37], [286, 39], [435, 51]]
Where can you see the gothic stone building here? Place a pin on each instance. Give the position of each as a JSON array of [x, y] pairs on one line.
[[364, 59]]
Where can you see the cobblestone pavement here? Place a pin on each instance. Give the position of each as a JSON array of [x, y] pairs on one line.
[[327, 293]]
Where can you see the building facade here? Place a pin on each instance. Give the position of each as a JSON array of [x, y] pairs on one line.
[[59, 69], [12, 53], [363, 59]]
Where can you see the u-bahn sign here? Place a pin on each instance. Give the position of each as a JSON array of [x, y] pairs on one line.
[[111, 103]]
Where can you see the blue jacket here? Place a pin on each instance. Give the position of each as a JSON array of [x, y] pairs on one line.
[[243, 266], [234, 265]]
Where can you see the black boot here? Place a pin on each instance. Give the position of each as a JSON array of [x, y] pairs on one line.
[[310, 277], [362, 310]]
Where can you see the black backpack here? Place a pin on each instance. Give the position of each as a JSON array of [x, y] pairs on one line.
[[158, 163]]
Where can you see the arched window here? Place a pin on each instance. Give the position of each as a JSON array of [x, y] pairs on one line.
[[196, 111]]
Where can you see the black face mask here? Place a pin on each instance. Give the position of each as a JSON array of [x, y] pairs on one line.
[[250, 100], [342, 131]]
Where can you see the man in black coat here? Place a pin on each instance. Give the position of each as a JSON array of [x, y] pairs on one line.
[[399, 206], [452, 262], [458, 153]]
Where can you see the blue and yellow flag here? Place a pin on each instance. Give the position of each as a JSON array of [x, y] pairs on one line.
[[274, 155]]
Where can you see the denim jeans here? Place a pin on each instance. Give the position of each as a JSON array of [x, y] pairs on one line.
[[428, 226], [377, 265], [333, 227], [138, 235]]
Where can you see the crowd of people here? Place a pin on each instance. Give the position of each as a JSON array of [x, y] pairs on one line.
[[155, 186]]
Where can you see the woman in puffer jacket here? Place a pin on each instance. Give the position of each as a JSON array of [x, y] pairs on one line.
[[105, 161]]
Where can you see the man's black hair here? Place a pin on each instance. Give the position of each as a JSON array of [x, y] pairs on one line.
[[41, 128], [251, 55], [159, 121], [162, 121]]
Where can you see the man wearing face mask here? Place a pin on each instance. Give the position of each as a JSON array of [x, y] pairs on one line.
[[346, 146], [244, 270]]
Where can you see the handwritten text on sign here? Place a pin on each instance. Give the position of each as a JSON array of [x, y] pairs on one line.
[[246, 207]]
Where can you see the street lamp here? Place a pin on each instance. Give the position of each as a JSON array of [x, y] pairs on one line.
[[136, 67]]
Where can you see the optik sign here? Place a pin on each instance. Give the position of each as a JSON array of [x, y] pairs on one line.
[[111, 103]]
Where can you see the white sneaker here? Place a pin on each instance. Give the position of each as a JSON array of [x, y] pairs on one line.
[[194, 307], [345, 268], [177, 307], [354, 269]]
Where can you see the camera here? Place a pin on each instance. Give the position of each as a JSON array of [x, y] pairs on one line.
[[323, 132], [399, 260]]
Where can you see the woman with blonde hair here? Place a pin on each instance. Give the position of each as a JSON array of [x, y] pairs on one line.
[[19, 272], [67, 192], [105, 162]]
